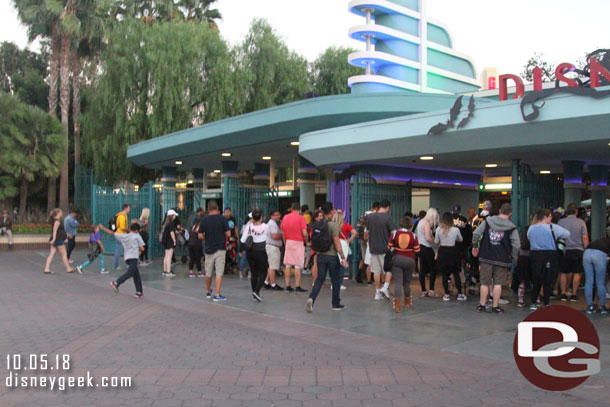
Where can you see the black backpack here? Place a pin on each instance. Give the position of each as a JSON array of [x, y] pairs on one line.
[[112, 223], [321, 241]]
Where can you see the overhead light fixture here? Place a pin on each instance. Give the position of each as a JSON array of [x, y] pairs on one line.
[[266, 157], [216, 171], [226, 154], [426, 158], [498, 187], [178, 162], [545, 172], [491, 165], [294, 143]]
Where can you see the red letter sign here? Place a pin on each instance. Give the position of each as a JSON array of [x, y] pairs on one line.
[[559, 74], [519, 91], [596, 70]]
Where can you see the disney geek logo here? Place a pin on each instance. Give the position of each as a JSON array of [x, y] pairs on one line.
[[556, 348]]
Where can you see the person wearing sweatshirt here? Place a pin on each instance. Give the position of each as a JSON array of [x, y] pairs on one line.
[[495, 242]]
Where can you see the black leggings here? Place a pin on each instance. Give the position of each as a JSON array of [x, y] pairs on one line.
[[132, 271], [257, 260], [426, 266], [544, 273], [449, 263], [144, 255], [195, 254]]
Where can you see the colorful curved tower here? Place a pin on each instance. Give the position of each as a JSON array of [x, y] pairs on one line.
[[406, 51]]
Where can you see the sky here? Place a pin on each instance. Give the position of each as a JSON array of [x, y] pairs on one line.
[[497, 33]]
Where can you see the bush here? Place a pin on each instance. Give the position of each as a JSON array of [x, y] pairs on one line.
[[34, 228]]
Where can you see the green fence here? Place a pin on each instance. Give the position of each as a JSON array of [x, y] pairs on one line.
[[83, 184], [537, 191], [243, 199]]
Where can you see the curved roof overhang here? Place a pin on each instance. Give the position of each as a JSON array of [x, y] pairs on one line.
[[269, 132], [570, 127]]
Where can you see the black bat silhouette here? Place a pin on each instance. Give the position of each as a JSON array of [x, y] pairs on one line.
[[455, 110], [439, 128]]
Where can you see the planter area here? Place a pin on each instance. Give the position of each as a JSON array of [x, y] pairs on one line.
[[25, 241]]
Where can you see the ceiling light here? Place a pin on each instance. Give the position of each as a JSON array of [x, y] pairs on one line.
[[294, 143], [545, 172], [216, 171], [226, 154], [491, 165], [426, 158], [266, 157], [178, 162]]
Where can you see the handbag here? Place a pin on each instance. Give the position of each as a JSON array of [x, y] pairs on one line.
[[388, 259], [560, 243], [249, 243]]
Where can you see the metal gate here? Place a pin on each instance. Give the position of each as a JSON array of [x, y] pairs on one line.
[[537, 191], [243, 199]]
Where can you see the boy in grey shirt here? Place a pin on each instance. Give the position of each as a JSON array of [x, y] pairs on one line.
[[133, 246]]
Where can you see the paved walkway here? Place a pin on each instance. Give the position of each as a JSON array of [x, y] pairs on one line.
[[183, 350]]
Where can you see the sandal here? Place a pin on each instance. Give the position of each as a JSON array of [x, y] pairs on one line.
[[71, 271], [48, 272]]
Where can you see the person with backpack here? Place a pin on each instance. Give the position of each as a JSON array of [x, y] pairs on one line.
[[495, 243], [379, 227], [325, 240], [254, 240], [119, 224], [361, 229], [195, 245], [96, 249]]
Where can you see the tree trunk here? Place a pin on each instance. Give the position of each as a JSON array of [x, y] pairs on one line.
[[64, 104], [76, 84], [23, 197], [52, 98], [52, 195]]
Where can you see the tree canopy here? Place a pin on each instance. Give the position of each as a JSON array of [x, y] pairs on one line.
[[330, 71]]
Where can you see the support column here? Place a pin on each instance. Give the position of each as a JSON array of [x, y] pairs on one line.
[[599, 194], [307, 184], [198, 178], [572, 182], [261, 174], [271, 174], [515, 194], [169, 176], [229, 177]]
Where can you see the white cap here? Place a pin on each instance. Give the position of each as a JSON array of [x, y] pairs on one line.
[[172, 212]]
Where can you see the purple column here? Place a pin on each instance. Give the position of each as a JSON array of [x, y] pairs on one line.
[[339, 195]]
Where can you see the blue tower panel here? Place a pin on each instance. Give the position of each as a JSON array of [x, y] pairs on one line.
[[412, 4], [371, 87], [439, 36], [404, 24], [399, 48], [450, 63], [449, 85], [400, 72]]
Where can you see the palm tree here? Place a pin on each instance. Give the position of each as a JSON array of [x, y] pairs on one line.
[[42, 22]]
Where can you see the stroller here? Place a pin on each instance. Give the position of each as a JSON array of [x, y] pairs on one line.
[[231, 259], [182, 238]]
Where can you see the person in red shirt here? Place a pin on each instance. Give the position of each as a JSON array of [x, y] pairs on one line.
[[346, 237], [405, 246], [294, 233]]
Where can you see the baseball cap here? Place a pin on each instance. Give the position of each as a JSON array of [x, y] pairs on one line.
[[172, 212]]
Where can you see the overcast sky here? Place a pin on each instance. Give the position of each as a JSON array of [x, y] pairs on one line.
[[498, 33]]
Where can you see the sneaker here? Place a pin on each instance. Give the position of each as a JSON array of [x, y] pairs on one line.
[[267, 285], [574, 298], [446, 297], [306, 272], [432, 294], [70, 261], [521, 304], [241, 275], [461, 297], [343, 288], [138, 295], [534, 307], [371, 283], [339, 307], [503, 301], [497, 310], [209, 294], [289, 289], [385, 292], [191, 274], [256, 296], [604, 310], [554, 296], [79, 269], [424, 294], [144, 263], [104, 271], [378, 296], [169, 274], [300, 290], [481, 308], [277, 287], [219, 297], [117, 268], [200, 274], [175, 262], [309, 306], [115, 286], [591, 309], [564, 297]]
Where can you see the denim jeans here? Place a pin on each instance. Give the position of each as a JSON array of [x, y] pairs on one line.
[[331, 265], [70, 245], [132, 271], [594, 262], [243, 261], [118, 252]]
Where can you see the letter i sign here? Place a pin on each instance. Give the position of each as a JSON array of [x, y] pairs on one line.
[[556, 348]]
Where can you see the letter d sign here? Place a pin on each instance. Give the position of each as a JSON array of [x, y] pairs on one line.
[[525, 338]]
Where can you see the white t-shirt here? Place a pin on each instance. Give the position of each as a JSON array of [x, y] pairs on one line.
[[258, 233]]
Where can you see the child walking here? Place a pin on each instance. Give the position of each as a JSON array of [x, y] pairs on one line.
[[134, 245], [96, 249]]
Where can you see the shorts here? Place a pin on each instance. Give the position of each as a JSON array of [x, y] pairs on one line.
[[274, 255], [215, 262], [492, 274], [571, 262], [58, 243], [377, 263], [367, 255], [295, 254]]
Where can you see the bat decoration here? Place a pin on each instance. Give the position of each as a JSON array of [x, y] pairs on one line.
[[465, 120], [454, 112], [439, 128]]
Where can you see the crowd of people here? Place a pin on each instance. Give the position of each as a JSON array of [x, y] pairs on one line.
[[549, 257]]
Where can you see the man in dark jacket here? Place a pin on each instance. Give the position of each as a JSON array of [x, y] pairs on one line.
[[6, 225], [495, 242]]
